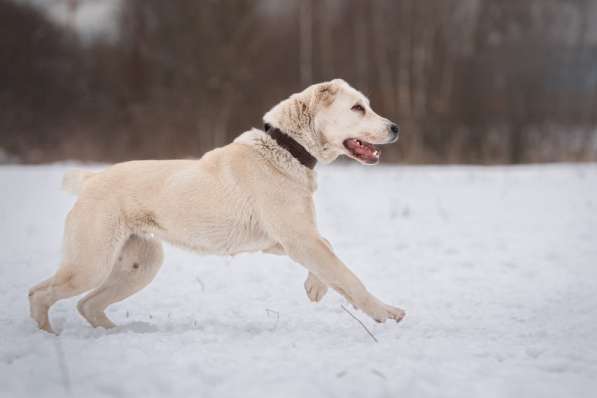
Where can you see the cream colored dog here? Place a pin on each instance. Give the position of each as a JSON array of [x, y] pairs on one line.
[[255, 194]]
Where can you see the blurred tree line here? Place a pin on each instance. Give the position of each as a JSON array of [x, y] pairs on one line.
[[469, 81]]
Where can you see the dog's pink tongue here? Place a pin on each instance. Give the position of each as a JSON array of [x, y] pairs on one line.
[[365, 151]]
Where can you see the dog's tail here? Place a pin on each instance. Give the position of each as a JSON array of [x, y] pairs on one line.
[[74, 180]]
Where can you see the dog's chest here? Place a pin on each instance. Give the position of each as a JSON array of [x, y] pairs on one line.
[[221, 231], [240, 233]]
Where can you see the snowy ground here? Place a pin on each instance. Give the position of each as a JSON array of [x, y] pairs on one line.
[[496, 268]]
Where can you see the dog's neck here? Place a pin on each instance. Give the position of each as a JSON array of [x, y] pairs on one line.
[[292, 146], [278, 157]]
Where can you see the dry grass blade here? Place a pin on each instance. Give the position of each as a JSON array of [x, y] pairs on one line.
[[362, 324]]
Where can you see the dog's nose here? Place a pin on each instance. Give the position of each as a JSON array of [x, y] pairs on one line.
[[395, 130]]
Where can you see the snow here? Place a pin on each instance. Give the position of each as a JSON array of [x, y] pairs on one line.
[[495, 266]]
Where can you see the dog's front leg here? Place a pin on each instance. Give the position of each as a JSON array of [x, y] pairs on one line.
[[314, 287], [289, 219], [315, 255]]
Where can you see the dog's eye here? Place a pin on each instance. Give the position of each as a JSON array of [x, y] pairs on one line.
[[358, 108]]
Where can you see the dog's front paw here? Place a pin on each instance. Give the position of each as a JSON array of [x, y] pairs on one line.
[[395, 313], [380, 312], [315, 288]]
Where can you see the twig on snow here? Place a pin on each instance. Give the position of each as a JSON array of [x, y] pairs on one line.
[[378, 373], [362, 324]]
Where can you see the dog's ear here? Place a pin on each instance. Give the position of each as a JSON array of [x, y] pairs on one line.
[[326, 92]]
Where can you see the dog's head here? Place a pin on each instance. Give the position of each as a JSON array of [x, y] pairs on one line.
[[331, 119]]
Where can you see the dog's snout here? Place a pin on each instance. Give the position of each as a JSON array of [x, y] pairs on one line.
[[395, 130]]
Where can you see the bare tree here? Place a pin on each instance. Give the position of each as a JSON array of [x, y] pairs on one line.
[[468, 80]]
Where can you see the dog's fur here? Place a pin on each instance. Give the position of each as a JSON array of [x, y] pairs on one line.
[[248, 196]]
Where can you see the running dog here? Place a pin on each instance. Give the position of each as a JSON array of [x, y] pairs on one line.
[[255, 194]]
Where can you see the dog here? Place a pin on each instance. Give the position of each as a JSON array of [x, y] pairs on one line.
[[255, 194]]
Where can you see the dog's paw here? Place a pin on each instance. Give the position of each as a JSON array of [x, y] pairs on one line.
[[39, 313], [96, 317], [381, 312], [394, 313], [315, 288]]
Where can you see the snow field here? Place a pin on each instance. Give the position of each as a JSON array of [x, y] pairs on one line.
[[496, 268]]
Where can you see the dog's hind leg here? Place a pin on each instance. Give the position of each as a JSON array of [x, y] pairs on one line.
[[90, 249], [39, 310], [136, 266]]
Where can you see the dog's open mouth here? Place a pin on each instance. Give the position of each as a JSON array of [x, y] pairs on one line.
[[361, 150]]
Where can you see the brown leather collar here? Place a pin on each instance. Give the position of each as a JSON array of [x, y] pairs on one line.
[[291, 145]]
